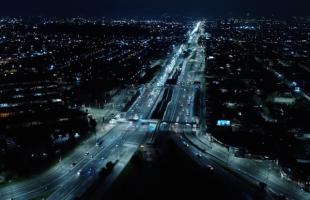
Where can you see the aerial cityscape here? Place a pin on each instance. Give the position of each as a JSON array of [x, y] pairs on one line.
[[149, 100]]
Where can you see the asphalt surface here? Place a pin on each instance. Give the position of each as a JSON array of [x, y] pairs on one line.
[[123, 136], [195, 141]]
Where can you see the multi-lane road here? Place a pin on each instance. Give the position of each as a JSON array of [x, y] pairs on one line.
[[70, 177], [195, 141], [120, 139]]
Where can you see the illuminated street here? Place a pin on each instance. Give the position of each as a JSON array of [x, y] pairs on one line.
[[88, 103]]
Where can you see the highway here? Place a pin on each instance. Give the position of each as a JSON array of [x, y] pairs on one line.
[[123, 136], [252, 170], [195, 141], [129, 139], [181, 107]]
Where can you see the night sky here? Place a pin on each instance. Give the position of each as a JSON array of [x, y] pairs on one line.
[[147, 8]]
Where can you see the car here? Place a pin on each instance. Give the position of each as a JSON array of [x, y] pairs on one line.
[[90, 172], [86, 154], [198, 155], [73, 164], [185, 144], [79, 172], [99, 143], [210, 167]]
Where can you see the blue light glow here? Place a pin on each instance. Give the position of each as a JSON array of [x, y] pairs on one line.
[[223, 123], [152, 127]]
